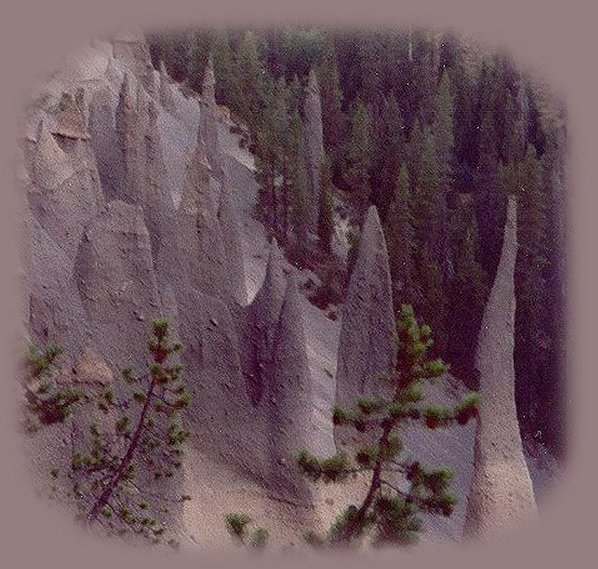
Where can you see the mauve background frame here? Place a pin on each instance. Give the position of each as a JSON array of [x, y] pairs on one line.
[[558, 39]]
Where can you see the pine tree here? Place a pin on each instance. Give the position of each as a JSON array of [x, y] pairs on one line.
[[251, 79], [270, 158], [388, 155], [228, 89], [326, 212], [199, 50], [489, 201], [532, 343], [445, 156], [429, 210], [358, 156], [398, 230], [141, 434], [399, 489], [333, 119], [297, 182], [467, 293]]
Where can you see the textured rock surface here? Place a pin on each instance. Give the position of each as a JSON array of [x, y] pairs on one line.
[[314, 141], [230, 227], [201, 244], [104, 141], [129, 136], [132, 50], [366, 346], [117, 283], [288, 400], [166, 91], [260, 322], [501, 495], [208, 127], [56, 313]]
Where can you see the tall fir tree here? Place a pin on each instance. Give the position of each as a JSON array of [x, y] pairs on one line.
[[333, 119], [444, 139], [428, 213], [358, 156], [467, 292], [389, 153], [326, 211], [398, 229], [228, 89], [532, 342], [199, 50]]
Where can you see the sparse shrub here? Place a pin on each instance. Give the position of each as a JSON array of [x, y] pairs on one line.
[[388, 514]]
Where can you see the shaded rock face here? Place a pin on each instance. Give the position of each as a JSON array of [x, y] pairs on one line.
[[97, 273], [65, 192], [259, 326], [201, 245], [230, 229], [129, 133], [56, 314], [104, 141], [501, 495], [314, 141], [132, 50], [289, 399], [166, 91], [117, 283], [366, 346]]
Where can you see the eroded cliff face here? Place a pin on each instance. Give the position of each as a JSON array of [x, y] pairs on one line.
[[130, 214], [501, 495]]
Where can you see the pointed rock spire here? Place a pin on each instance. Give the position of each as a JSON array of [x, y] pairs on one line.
[[289, 399], [208, 125], [231, 238], [104, 141], [268, 300], [501, 494], [366, 346], [260, 320], [51, 166]]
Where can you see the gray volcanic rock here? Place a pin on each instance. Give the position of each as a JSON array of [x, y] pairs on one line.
[[314, 141], [69, 118], [66, 191], [201, 247], [166, 92], [56, 313], [158, 207], [231, 237], [501, 495], [104, 141], [117, 282], [366, 345], [132, 50], [129, 136], [208, 126], [222, 419], [260, 320], [51, 166], [288, 400]]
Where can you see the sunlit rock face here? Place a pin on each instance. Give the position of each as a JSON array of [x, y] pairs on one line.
[[501, 495]]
